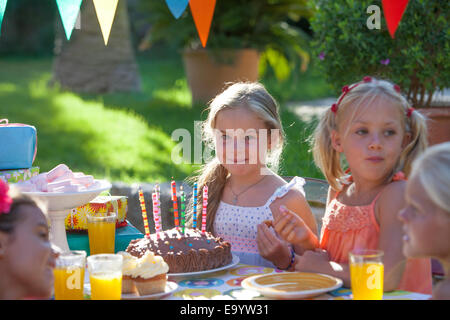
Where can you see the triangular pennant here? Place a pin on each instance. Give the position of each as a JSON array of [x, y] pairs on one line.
[[69, 10], [393, 11], [202, 12], [106, 10], [177, 7], [2, 12]]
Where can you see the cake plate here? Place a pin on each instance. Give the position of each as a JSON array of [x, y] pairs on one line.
[[61, 204]]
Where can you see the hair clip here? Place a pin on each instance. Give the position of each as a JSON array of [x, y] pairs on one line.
[[334, 108], [345, 90], [5, 199], [409, 111], [397, 88]]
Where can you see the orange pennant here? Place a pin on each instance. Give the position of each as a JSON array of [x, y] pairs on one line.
[[202, 12]]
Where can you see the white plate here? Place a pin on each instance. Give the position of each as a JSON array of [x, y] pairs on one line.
[[289, 285], [234, 262], [170, 287]]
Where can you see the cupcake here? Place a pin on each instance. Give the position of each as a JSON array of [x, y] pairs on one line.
[[129, 263], [150, 274]]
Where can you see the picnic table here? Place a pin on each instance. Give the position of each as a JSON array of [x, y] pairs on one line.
[[226, 285]]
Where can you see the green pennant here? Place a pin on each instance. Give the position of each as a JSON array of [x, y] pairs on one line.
[[2, 12], [69, 10]]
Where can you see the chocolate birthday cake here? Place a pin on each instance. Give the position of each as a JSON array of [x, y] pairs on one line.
[[189, 252]]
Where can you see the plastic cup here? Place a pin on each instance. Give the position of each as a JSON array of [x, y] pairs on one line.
[[102, 232], [69, 275], [367, 274], [105, 276]]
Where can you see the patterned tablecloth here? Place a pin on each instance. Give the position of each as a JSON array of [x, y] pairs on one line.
[[226, 285]]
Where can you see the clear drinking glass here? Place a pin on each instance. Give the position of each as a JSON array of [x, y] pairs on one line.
[[105, 276], [366, 274], [69, 275]]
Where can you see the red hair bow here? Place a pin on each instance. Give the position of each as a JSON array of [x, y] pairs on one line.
[[409, 111], [5, 199]]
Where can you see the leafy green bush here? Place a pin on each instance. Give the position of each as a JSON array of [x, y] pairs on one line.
[[259, 24], [417, 59]]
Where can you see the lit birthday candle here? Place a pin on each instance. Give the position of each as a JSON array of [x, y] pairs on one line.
[[205, 205], [175, 203]]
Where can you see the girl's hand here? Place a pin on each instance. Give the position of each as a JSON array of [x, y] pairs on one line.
[[291, 227], [272, 248], [313, 261]]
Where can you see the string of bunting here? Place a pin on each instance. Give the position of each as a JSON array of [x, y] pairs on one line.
[[69, 10], [202, 12]]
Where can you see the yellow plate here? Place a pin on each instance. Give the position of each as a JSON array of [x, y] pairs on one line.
[[292, 285]]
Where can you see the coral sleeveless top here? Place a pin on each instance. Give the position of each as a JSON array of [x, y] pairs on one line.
[[345, 228]]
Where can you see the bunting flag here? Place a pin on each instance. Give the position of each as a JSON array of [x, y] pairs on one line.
[[69, 11], [106, 10], [2, 12], [177, 7], [393, 12], [202, 12]]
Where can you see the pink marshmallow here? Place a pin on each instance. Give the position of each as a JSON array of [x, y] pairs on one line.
[[65, 176], [69, 188], [57, 171], [84, 180], [26, 186], [96, 184], [55, 185]]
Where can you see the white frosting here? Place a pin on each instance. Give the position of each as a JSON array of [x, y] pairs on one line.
[[149, 266], [129, 263]]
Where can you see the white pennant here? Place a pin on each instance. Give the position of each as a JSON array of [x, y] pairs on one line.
[[106, 10]]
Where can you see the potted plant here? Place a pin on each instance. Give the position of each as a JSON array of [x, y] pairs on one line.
[[416, 59], [245, 40]]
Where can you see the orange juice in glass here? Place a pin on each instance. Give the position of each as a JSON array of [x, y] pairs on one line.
[[69, 275], [105, 276], [101, 232], [366, 274]]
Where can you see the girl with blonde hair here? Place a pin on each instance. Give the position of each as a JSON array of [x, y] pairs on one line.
[[426, 217], [244, 129], [373, 131]]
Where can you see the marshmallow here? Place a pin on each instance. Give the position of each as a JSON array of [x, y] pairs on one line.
[[57, 171], [84, 180], [55, 185], [65, 176], [59, 179]]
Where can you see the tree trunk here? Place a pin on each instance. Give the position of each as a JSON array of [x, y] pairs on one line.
[[85, 65]]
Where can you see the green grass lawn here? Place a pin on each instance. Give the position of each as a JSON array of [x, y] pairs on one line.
[[127, 137]]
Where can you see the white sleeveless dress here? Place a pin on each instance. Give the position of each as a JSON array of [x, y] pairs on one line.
[[238, 225]]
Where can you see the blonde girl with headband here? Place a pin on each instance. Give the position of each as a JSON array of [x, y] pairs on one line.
[[426, 217], [374, 130], [244, 129]]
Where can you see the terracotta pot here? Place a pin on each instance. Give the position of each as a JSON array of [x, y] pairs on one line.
[[438, 124], [207, 75]]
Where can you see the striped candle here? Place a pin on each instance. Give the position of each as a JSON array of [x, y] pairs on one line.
[[205, 205], [195, 206], [158, 206], [183, 208], [144, 212], [175, 203], [155, 212]]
